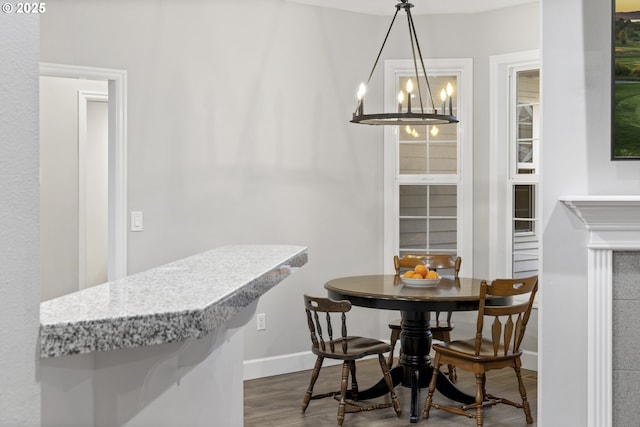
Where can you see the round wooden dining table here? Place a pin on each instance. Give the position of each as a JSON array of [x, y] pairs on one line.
[[415, 304]]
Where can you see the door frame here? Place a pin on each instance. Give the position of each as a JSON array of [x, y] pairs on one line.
[[84, 97], [117, 94]]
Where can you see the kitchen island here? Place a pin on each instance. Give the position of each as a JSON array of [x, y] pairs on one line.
[[161, 347]]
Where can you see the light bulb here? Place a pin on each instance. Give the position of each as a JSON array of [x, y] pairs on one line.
[[400, 97], [409, 95], [361, 91], [443, 95], [449, 89], [408, 129], [434, 131]]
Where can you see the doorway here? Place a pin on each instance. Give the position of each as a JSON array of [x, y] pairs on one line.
[[83, 177]]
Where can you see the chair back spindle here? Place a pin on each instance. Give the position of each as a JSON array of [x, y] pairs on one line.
[[314, 307], [509, 322]]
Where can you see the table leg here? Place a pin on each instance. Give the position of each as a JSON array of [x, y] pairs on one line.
[[415, 390], [415, 340]]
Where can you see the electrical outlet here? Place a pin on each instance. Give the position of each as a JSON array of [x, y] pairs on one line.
[[261, 321]]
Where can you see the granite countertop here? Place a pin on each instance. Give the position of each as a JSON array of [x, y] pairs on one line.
[[184, 299]]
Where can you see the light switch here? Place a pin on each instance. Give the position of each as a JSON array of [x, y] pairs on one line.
[[136, 220]]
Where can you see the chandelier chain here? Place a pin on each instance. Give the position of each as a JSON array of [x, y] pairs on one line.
[[412, 30], [413, 54]]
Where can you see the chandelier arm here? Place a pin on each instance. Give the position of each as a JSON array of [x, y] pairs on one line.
[[424, 70], [375, 64], [413, 54]]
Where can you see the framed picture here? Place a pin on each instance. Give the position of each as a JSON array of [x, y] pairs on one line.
[[625, 99]]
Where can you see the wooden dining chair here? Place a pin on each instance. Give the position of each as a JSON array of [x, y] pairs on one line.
[[440, 328], [501, 349], [346, 348]]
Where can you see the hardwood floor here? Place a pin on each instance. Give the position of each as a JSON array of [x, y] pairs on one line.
[[276, 401]]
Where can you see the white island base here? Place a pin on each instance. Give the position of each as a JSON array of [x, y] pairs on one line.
[[192, 383]]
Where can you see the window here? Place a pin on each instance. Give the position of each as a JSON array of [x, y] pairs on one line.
[[428, 218], [426, 206], [525, 143], [515, 153]]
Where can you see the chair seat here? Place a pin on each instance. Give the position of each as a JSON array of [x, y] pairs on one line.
[[357, 348], [465, 349]]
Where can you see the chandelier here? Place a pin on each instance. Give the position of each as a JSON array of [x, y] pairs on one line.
[[414, 115]]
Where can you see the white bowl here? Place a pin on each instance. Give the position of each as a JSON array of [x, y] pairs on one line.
[[420, 283]]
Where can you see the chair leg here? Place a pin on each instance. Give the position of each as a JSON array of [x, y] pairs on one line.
[[523, 394], [343, 392], [432, 387], [479, 398], [395, 335], [387, 378], [314, 378], [453, 375], [354, 382], [445, 336]]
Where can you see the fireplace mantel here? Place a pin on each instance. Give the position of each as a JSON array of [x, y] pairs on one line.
[[614, 225], [614, 221]]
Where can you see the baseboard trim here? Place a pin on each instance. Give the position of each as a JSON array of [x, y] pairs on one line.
[[295, 362], [529, 360], [283, 364]]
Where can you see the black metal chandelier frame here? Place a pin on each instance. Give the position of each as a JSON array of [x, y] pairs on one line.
[[404, 118]]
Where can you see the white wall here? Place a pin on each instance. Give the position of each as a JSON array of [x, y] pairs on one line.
[[59, 186], [576, 79], [19, 278]]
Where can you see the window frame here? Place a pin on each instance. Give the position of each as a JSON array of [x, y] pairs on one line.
[[462, 68], [504, 176]]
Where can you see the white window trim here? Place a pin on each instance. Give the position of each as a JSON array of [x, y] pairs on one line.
[[500, 242], [463, 69]]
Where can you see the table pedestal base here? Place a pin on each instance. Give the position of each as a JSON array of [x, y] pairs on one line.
[[415, 370]]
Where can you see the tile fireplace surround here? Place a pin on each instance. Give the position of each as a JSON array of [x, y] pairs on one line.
[[614, 225]]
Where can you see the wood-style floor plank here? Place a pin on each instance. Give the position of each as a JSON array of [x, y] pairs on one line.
[[276, 401]]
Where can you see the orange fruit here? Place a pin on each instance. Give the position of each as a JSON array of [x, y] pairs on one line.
[[431, 275], [408, 275], [417, 276], [421, 269]]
